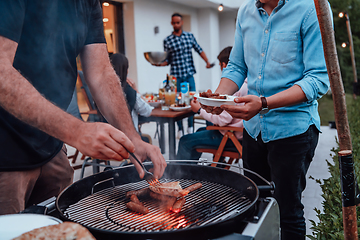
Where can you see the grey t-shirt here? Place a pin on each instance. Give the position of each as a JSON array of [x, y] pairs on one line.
[[50, 35]]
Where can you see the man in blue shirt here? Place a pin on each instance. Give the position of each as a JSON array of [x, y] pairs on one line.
[[278, 47], [179, 45]]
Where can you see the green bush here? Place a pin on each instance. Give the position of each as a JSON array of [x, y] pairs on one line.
[[330, 225]]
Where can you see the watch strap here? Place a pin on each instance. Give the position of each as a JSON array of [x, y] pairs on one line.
[[198, 112], [264, 102]]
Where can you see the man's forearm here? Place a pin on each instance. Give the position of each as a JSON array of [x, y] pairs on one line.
[[227, 86], [203, 56], [106, 89]]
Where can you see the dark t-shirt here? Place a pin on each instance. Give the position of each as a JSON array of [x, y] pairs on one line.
[[50, 35]]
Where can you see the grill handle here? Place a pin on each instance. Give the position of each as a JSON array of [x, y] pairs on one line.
[[270, 187]]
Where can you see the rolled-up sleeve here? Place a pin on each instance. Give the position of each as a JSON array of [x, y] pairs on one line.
[[315, 82]]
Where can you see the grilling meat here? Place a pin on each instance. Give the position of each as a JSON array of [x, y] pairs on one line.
[[169, 189], [139, 193], [165, 201], [178, 205], [135, 199], [193, 187], [137, 207]]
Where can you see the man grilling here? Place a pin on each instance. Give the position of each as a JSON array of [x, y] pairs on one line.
[[39, 43]]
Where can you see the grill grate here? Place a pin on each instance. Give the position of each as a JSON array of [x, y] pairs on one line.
[[106, 209]]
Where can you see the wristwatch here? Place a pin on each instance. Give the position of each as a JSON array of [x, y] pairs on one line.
[[198, 112], [264, 108]]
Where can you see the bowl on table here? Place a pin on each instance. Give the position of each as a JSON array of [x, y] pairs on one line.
[[156, 103], [155, 57]]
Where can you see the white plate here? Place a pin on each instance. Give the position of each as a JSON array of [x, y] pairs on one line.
[[179, 108], [213, 102], [13, 225], [155, 103]]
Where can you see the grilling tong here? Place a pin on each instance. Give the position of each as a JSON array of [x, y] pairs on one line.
[[149, 176]]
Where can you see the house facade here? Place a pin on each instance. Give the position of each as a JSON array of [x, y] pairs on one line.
[[138, 26]]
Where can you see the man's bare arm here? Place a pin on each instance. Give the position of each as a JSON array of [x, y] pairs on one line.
[[22, 100], [204, 57], [227, 86], [105, 87]]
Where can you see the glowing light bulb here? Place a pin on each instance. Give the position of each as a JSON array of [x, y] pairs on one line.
[[220, 8], [341, 14], [343, 45], [105, 20], [106, 4]]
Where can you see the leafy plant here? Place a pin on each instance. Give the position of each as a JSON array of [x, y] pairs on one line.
[[330, 225]]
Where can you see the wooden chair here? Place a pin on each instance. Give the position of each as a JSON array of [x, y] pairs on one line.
[[92, 113], [234, 153]]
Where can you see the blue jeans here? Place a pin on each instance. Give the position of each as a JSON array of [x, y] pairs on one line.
[[190, 79], [285, 162], [202, 137]]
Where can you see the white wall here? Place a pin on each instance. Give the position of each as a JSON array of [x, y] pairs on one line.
[[227, 28], [150, 14], [209, 38], [207, 25]]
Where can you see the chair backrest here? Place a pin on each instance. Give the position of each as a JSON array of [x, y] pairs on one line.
[[73, 107], [86, 91], [94, 113], [221, 151]]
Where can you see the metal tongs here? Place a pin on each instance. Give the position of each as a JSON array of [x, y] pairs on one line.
[[149, 176]]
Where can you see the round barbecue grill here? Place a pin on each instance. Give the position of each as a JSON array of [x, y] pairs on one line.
[[98, 203]]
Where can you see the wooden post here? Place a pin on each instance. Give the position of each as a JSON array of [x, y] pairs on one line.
[[342, 125], [352, 54]]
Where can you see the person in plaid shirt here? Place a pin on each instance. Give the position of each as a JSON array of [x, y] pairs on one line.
[[179, 45]]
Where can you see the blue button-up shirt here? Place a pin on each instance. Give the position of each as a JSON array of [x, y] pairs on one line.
[[276, 52], [180, 53]]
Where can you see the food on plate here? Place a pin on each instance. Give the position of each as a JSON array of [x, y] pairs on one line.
[[65, 230], [193, 187], [135, 199], [209, 94], [169, 188], [139, 193], [137, 207], [178, 205], [179, 105]]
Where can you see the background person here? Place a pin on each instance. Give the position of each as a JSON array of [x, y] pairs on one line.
[[278, 48], [188, 143], [179, 45], [39, 43], [136, 104]]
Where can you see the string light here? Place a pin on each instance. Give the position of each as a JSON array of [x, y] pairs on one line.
[[105, 20], [221, 8], [341, 14], [343, 45]]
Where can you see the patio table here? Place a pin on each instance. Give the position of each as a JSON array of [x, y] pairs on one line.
[[170, 117]]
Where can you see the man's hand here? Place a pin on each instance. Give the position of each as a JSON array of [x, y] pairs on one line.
[[252, 106], [195, 105], [147, 151], [102, 141]]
